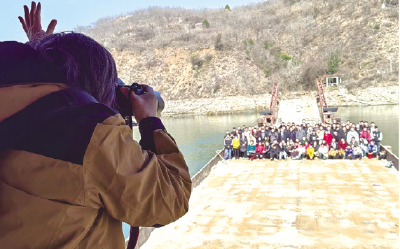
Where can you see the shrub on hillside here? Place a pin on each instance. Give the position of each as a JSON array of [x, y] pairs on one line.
[[208, 58], [268, 45], [311, 72], [333, 63], [219, 46], [315, 12], [266, 72], [196, 61], [205, 24], [284, 56], [392, 2]]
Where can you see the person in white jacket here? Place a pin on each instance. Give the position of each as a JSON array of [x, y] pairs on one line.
[[323, 151], [352, 133]]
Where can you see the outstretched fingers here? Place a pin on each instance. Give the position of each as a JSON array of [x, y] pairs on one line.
[[37, 22], [32, 14], [32, 23], [27, 18], [51, 27], [22, 21]]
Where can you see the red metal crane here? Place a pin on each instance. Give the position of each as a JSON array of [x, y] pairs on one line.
[[322, 100], [328, 114], [270, 116]]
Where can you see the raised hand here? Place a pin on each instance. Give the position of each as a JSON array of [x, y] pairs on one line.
[[32, 24]]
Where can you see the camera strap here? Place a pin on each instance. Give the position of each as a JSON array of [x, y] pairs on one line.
[[131, 111]]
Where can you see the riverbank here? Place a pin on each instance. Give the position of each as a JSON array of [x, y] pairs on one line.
[[236, 104]]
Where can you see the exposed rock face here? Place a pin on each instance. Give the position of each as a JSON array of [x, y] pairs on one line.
[[234, 61], [369, 96], [213, 106], [171, 72]]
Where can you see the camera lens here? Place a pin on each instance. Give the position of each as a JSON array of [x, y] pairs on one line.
[[125, 107]]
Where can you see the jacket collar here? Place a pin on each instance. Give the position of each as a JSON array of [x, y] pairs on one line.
[[14, 128]]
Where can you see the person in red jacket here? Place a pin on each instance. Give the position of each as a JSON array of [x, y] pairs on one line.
[[260, 150], [327, 137], [306, 145], [366, 134], [342, 144]]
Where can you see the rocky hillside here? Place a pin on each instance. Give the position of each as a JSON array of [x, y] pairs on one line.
[[212, 53]]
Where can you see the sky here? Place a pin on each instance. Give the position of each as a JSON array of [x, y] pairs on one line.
[[73, 13]]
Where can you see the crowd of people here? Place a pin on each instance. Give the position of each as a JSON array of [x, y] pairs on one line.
[[339, 140]]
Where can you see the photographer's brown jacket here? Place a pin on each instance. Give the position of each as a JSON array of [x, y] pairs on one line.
[[70, 181]]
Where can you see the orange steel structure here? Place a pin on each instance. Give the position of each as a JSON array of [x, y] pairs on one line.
[[273, 106], [322, 100], [328, 114]]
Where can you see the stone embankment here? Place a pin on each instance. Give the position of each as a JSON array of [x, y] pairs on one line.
[[219, 105], [234, 104], [369, 96]]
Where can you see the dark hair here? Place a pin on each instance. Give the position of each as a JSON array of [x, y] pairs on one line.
[[87, 65]]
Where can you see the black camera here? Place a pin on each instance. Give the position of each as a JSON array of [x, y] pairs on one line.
[[124, 103]]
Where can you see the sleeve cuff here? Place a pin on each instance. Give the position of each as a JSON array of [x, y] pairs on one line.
[[149, 125]]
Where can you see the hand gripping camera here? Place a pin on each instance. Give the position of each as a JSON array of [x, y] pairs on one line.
[[124, 104]]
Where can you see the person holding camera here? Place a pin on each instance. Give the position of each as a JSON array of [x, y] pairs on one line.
[[70, 171]]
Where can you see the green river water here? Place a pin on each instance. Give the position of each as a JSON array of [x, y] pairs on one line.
[[198, 137]]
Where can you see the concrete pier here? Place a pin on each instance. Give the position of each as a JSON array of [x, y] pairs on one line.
[[295, 110], [289, 204]]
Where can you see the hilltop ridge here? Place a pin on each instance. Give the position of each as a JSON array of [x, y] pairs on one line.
[[211, 53]]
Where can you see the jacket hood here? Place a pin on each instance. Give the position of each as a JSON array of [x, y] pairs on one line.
[[20, 63], [41, 108], [25, 77], [15, 98]]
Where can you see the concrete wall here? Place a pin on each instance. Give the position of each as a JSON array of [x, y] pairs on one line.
[[390, 156], [203, 173], [144, 232]]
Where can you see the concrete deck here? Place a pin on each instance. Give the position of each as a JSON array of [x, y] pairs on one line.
[[289, 204]]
